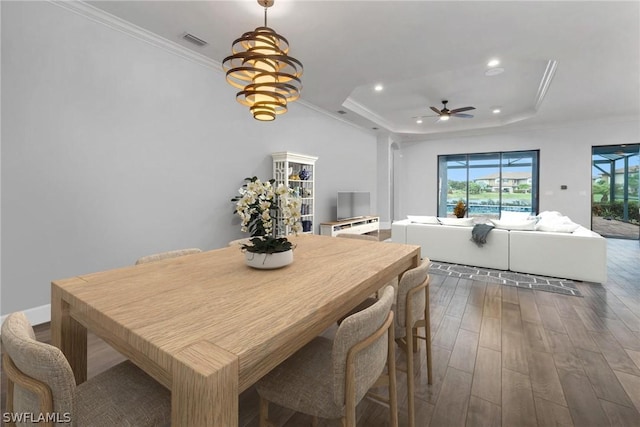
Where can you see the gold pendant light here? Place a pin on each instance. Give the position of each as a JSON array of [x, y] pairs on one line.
[[268, 78]]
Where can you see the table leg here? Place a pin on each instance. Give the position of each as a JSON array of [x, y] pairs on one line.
[[205, 387], [68, 335]]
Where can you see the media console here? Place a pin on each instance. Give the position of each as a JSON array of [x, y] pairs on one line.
[[360, 225]]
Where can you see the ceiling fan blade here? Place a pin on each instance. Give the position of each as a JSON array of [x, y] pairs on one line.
[[424, 117], [463, 116], [436, 110], [460, 110]]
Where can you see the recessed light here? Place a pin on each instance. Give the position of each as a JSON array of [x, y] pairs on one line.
[[494, 71], [342, 112], [378, 87], [496, 111], [493, 63], [419, 121], [374, 128]]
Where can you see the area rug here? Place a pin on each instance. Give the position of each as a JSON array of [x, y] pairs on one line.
[[508, 278]]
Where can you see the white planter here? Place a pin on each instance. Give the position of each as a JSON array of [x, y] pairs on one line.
[[268, 261]]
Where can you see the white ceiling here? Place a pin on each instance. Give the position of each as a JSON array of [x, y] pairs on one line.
[[426, 51]]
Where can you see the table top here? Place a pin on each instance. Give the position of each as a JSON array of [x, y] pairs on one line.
[[261, 316]]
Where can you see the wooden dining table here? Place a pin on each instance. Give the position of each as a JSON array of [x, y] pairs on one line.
[[208, 327]]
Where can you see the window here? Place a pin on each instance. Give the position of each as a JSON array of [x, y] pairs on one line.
[[488, 183]]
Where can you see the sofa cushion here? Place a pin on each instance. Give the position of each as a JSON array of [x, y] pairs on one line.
[[514, 216], [462, 222], [423, 219], [557, 224], [527, 225]]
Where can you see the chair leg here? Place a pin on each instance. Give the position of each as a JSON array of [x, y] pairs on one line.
[[427, 338], [410, 337], [414, 335], [393, 387], [264, 412], [9, 402]]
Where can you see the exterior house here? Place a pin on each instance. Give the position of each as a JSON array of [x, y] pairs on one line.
[[510, 181], [619, 177]]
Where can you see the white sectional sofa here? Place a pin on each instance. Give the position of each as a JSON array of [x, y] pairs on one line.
[[580, 255]]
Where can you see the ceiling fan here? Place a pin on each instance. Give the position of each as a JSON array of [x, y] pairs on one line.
[[445, 113]]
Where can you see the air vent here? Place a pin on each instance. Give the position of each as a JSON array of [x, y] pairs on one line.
[[342, 112], [195, 40]]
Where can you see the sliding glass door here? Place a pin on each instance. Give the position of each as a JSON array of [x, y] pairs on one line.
[[488, 183], [615, 191]]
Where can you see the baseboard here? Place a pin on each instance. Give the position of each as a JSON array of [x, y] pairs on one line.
[[36, 315]]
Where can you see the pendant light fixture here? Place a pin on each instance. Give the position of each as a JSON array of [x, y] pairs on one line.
[[268, 78]]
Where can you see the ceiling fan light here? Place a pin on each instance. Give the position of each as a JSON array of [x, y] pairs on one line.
[[493, 62], [444, 117]]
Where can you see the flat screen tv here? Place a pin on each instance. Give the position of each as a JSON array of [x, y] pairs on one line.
[[353, 204]]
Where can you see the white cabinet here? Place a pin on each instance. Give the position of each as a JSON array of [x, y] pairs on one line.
[[362, 225], [298, 172]]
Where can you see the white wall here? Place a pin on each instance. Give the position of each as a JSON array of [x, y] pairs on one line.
[[113, 148], [565, 159]]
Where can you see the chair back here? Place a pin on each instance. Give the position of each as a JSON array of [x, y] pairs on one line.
[[358, 236], [168, 254], [37, 361], [240, 242], [360, 348], [411, 279]]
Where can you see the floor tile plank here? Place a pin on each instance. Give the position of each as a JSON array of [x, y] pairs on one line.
[[463, 356], [582, 401], [617, 358], [631, 385], [551, 414], [487, 376], [483, 413], [518, 408], [602, 378], [621, 416], [544, 381], [453, 403], [491, 333], [514, 353], [472, 318]]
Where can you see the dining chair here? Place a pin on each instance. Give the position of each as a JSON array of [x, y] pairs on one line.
[[169, 254], [412, 291], [327, 379], [412, 312], [239, 242], [358, 236], [40, 383]]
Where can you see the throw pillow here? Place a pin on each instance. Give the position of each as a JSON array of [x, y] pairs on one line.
[[557, 224], [545, 214], [423, 219], [526, 225], [514, 216], [461, 222]]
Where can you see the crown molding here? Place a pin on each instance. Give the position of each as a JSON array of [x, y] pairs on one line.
[[471, 133], [367, 114], [545, 82], [100, 16]]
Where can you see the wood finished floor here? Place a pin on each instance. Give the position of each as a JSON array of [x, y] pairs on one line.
[[508, 356]]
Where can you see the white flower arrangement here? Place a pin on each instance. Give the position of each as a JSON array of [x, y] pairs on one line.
[[260, 204]]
